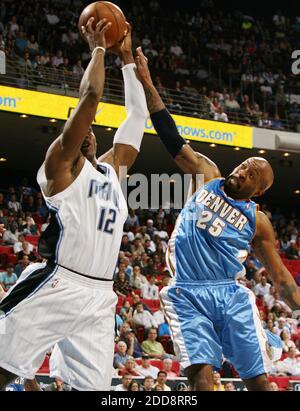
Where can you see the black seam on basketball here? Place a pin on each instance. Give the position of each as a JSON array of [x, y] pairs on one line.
[[116, 20], [96, 12]]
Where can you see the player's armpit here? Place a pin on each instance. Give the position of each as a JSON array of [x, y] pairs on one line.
[[107, 157], [121, 157], [264, 245]]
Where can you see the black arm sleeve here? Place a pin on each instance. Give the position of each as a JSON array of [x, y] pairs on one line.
[[167, 131]]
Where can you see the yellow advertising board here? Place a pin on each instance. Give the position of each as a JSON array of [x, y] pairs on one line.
[[41, 104]]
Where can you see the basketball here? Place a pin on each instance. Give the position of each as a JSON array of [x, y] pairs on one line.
[[105, 9]]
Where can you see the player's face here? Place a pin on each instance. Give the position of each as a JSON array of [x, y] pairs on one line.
[[247, 180], [89, 145]]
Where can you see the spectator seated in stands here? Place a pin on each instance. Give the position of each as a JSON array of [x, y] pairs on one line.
[[8, 278], [130, 368], [146, 368], [138, 280], [14, 205], [292, 363], [161, 382], [22, 264], [136, 299], [287, 343], [229, 386], [134, 386], [137, 246], [152, 347], [292, 252], [220, 115], [126, 381], [167, 367], [10, 237], [121, 285], [125, 244], [142, 318], [126, 311], [26, 251], [262, 288], [218, 386], [121, 356], [274, 301], [134, 348], [30, 228], [150, 291], [132, 219], [19, 245], [148, 383], [29, 206]]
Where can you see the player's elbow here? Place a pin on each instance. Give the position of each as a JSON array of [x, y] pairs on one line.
[[91, 93]]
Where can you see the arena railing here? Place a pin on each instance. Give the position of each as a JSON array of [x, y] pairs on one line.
[[58, 81]]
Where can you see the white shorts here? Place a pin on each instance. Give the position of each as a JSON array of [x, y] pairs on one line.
[[51, 306]]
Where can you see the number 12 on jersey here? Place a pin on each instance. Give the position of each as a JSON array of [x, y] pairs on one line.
[[216, 227], [107, 217]]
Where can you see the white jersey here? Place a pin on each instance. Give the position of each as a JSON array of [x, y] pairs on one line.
[[87, 221]]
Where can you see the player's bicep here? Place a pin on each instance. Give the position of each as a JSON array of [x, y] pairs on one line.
[[264, 245], [76, 127]]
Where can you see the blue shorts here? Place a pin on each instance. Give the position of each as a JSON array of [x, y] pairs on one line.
[[208, 319]]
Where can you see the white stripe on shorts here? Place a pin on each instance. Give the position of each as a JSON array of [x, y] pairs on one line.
[[174, 323]]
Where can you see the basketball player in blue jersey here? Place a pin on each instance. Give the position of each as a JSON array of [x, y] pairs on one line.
[[210, 314], [68, 303]]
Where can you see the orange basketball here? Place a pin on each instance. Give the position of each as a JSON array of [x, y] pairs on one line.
[[105, 9]]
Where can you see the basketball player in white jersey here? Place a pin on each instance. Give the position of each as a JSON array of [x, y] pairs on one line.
[[69, 302]]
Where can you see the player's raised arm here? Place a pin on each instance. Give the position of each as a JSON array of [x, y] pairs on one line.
[[185, 157], [128, 138], [65, 151], [265, 249]]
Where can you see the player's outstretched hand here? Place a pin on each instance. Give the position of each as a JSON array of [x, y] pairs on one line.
[[125, 45], [143, 72], [95, 38]]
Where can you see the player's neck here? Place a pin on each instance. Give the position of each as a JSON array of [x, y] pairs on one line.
[[233, 196]]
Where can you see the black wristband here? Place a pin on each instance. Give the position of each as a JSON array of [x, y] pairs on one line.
[[167, 131]]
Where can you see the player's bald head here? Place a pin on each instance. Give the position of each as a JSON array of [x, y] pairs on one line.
[[265, 171]]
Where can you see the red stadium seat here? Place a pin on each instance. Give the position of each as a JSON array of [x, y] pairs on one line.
[[32, 239], [154, 305], [282, 382], [12, 259], [5, 249], [44, 369]]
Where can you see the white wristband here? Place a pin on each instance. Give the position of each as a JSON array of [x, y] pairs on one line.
[[96, 48]]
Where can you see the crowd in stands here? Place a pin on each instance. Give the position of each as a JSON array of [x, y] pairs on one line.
[[223, 65], [143, 346]]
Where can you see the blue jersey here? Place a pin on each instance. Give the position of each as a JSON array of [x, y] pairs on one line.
[[212, 236]]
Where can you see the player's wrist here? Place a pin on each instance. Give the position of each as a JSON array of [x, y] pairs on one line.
[[98, 50], [127, 57]]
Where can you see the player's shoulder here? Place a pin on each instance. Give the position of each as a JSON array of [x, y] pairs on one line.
[[263, 225]]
